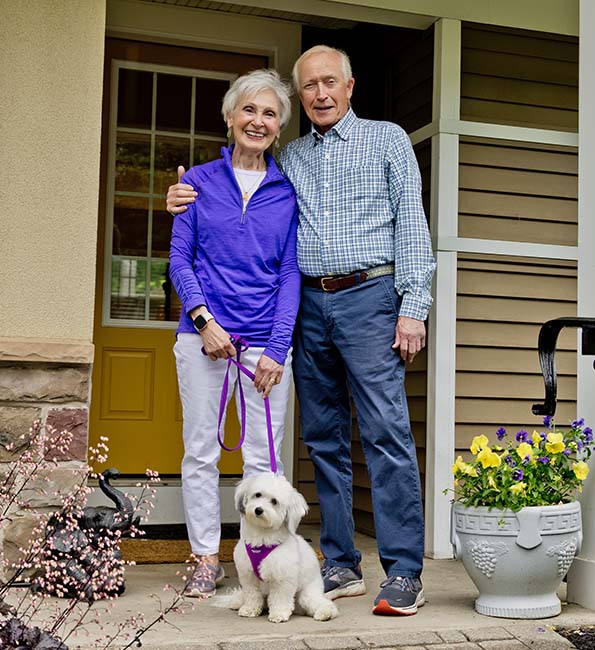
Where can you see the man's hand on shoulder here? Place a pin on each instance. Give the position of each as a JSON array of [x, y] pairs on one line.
[[180, 194], [410, 337]]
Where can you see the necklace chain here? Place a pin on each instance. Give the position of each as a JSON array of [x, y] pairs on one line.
[[246, 192]]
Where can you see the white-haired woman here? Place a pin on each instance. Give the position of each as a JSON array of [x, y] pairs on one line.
[[233, 264]]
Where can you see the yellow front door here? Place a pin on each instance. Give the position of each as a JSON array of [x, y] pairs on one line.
[[161, 108]]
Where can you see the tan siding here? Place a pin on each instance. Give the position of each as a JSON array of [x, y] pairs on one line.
[[518, 192], [502, 302], [519, 77]]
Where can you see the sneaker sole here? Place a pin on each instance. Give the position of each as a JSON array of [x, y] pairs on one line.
[[383, 608], [357, 588]]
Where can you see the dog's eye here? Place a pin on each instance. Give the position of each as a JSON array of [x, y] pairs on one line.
[[258, 495], [274, 502]]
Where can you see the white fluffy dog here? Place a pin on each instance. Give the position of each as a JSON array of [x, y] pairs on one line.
[[273, 562]]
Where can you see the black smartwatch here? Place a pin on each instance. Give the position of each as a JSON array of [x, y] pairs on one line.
[[200, 322]]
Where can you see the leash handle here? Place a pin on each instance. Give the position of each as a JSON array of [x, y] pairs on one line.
[[240, 346]]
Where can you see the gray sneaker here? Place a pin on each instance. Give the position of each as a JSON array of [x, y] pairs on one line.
[[342, 581], [399, 596]]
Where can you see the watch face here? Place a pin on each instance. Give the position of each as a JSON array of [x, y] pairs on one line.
[[200, 322]]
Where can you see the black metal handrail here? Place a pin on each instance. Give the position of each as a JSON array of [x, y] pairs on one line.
[[546, 345]]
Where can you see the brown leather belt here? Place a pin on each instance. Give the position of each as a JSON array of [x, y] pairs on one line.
[[338, 282]]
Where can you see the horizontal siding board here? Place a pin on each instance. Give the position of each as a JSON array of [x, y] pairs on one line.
[[508, 335], [509, 205], [515, 411], [481, 110], [512, 361], [510, 229], [518, 158], [530, 285], [510, 181], [532, 45], [507, 310], [514, 91], [511, 264], [513, 66], [504, 386]]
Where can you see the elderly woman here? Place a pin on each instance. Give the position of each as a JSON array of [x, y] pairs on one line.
[[233, 264]]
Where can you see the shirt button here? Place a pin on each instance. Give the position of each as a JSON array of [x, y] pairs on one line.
[[327, 213], [328, 156], [327, 242], [327, 184]]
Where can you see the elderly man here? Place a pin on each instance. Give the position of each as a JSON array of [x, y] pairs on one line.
[[365, 255]]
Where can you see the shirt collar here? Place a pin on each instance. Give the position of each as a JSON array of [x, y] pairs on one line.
[[341, 128]]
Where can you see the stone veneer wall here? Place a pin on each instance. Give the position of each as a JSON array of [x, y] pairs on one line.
[[55, 392]]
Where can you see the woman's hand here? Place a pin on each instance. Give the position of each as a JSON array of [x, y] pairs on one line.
[[216, 341], [268, 374]]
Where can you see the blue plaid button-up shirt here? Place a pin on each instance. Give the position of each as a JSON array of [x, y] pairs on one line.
[[359, 194]]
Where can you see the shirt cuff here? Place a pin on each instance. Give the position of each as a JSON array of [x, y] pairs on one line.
[[415, 306]]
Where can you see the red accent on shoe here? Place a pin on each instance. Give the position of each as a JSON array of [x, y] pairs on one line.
[[384, 609]]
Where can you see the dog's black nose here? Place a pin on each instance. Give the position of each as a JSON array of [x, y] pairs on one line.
[[258, 511]]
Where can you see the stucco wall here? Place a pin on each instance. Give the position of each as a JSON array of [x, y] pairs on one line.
[[51, 65]]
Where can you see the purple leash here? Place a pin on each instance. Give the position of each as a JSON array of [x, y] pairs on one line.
[[240, 346]]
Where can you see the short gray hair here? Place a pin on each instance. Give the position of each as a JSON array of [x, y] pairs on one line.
[[319, 49], [253, 83]]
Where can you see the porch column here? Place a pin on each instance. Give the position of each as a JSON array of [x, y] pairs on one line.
[[440, 417], [51, 57], [582, 574]]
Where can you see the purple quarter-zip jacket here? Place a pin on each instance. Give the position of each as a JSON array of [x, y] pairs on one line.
[[242, 266]]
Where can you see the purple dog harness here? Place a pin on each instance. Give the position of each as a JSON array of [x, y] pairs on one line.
[[257, 554], [240, 346]]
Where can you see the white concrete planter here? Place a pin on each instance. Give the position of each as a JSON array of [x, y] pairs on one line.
[[517, 559]]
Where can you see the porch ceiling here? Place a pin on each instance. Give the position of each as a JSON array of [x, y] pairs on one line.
[[317, 13]]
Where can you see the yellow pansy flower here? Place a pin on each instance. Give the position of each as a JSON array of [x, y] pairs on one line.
[[536, 438], [492, 482], [461, 466], [581, 470], [488, 458], [524, 450], [478, 443], [518, 488], [554, 443]]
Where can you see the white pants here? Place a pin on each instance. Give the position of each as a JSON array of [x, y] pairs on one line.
[[200, 381]]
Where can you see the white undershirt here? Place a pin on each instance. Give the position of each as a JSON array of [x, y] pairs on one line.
[[248, 180]]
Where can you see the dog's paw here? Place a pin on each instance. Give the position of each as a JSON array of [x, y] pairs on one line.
[[279, 616], [249, 611], [326, 611]]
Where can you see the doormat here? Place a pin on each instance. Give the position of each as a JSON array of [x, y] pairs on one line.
[[167, 551], [172, 551]]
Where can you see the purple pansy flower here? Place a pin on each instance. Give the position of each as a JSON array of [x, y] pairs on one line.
[[501, 432], [547, 421], [577, 424], [544, 460], [509, 460], [521, 436], [588, 434], [517, 474], [567, 452]]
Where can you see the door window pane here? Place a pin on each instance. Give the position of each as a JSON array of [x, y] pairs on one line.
[[206, 150], [161, 235], [174, 94], [135, 98], [133, 162], [144, 164], [169, 153], [209, 98], [128, 289], [131, 218]]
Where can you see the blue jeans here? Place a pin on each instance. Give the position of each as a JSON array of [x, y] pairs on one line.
[[343, 340]]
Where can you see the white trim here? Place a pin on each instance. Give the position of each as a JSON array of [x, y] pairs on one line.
[[582, 572], [494, 131], [440, 409], [514, 248]]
